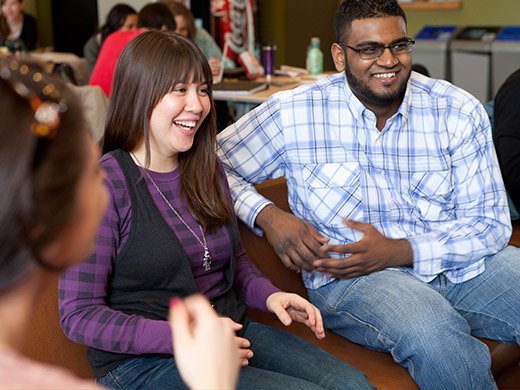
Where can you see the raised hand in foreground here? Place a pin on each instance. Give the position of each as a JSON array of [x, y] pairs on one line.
[[206, 353]]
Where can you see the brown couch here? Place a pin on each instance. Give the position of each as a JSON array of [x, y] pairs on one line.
[[380, 368], [47, 343]]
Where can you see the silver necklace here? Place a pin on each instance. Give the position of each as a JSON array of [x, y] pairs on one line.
[[206, 263]]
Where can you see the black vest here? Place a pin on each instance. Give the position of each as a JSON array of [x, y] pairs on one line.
[[152, 268]]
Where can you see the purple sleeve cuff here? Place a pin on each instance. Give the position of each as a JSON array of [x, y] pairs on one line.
[[260, 290], [153, 336]]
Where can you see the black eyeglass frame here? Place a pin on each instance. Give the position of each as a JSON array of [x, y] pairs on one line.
[[395, 48]]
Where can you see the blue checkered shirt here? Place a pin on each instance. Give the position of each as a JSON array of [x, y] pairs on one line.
[[430, 176]]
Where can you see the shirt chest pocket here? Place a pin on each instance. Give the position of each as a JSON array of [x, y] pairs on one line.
[[431, 193], [333, 191]]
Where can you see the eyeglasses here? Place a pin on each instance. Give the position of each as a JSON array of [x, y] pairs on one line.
[[45, 99], [371, 52]]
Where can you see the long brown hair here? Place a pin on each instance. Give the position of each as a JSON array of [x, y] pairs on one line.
[[40, 163], [148, 69]]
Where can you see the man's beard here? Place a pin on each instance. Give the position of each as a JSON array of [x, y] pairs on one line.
[[365, 94]]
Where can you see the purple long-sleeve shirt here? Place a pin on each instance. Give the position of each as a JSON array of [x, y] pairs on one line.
[[83, 288]]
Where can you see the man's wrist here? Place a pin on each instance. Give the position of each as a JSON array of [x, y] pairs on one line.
[[264, 217], [404, 252]]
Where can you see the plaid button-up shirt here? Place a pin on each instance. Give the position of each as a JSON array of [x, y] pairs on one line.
[[430, 176]]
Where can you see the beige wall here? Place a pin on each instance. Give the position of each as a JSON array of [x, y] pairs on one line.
[[474, 12], [291, 23], [30, 7]]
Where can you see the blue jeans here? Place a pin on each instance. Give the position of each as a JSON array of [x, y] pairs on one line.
[[281, 361], [430, 328]]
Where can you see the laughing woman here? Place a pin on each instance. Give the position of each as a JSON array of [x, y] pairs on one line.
[[170, 231]]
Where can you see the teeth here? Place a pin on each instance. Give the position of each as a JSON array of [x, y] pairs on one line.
[[189, 124], [384, 75]]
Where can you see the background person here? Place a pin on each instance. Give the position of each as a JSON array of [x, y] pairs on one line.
[[152, 16], [400, 221], [21, 27], [507, 134], [120, 17], [169, 231]]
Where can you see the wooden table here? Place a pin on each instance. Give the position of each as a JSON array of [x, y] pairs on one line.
[[50, 60], [257, 97], [245, 102]]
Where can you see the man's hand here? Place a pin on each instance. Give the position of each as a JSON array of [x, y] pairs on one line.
[[372, 253], [289, 307], [295, 241]]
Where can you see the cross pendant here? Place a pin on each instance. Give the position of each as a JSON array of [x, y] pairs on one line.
[[207, 260]]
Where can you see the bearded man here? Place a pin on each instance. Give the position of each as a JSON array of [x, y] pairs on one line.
[[400, 221]]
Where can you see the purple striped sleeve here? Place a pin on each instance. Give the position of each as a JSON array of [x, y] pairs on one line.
[[85, 318]]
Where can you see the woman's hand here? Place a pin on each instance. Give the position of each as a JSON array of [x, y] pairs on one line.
[[204, 344], [243, 344], [289, 307]]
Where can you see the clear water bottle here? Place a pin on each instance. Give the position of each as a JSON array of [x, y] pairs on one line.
[[314, 61]]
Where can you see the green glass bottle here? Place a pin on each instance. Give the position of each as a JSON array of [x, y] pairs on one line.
[[314, 61]]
